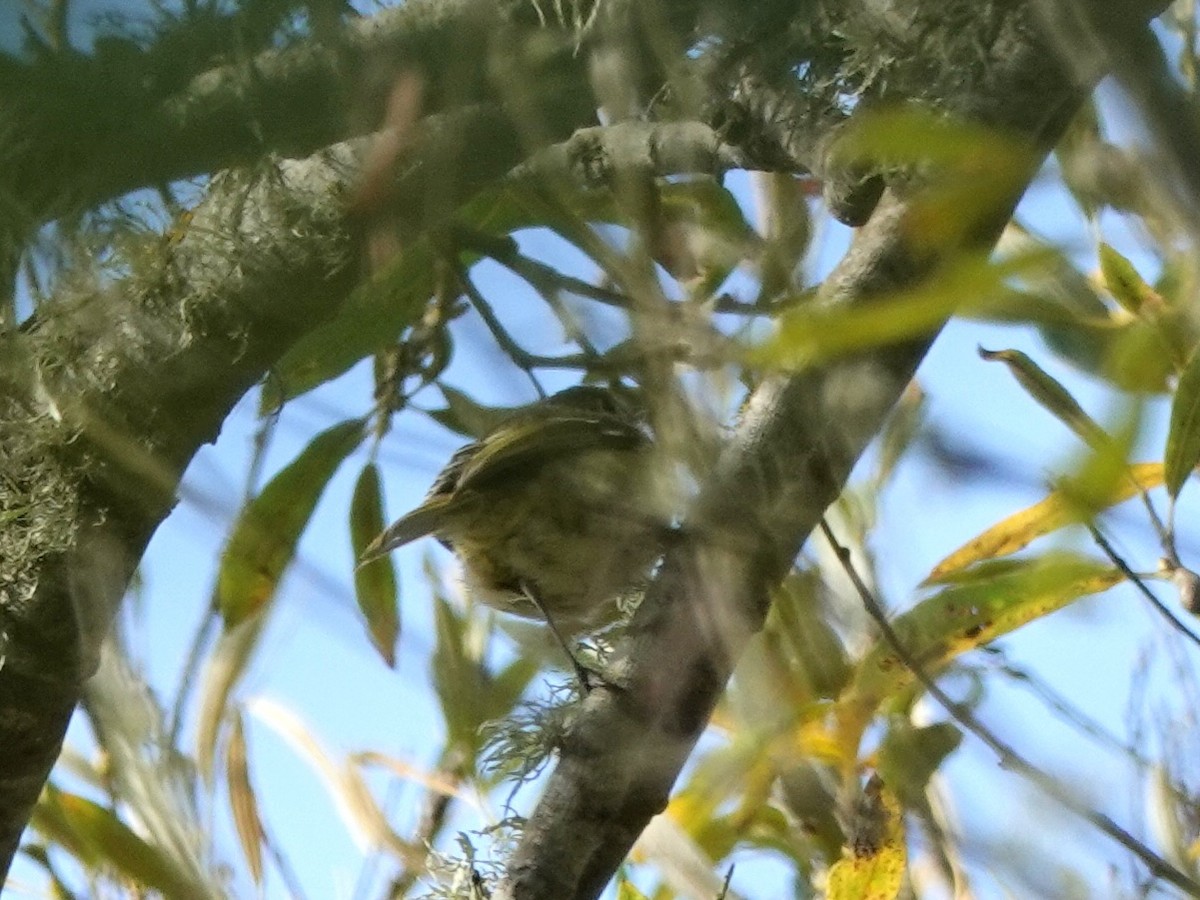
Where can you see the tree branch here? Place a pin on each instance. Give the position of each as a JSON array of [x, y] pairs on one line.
[[105, 399], [289, 102]]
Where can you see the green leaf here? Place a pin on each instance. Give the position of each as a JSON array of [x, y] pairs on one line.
[[100, 839], [463, 415], [374, 582], [1124, 283], [1183, 437], [263, 540], [378, 311], [459, 677], [1134, 355], [372, 318], [814, 652], [1050, 393], [910, 754], [509, 685], [978, 167], [813, 333]]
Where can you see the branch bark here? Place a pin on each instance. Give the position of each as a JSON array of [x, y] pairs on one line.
[[69, 146], [105, 399]]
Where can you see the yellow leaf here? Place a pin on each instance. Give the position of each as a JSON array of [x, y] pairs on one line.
[[99, 838], [872, 867], [242, 800], [959, 618], [1020, 529]]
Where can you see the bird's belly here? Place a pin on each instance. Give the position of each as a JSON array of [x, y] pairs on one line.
[[578, 564]]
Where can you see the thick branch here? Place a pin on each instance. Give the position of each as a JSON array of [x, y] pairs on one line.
[[104, 401], [83, 130]]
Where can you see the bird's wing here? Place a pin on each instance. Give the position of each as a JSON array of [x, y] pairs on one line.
[[522, 448]]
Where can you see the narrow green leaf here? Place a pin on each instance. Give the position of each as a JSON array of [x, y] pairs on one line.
[[1124, 283], [375, 582], [371, 319], [112, 844], [463, 415], [814, 651], [812, 333], [910, 755], [1183, 437], [263, 540], [1049, 393], [458, 677], [508, 686], [58, 885], [378, 311]]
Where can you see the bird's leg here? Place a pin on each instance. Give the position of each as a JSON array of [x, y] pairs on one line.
[[582, 672]]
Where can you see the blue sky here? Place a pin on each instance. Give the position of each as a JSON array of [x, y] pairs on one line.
[[315, 658]]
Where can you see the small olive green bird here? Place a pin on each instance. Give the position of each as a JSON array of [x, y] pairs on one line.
[[550, 514]]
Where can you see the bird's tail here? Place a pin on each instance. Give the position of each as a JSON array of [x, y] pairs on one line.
[[425, 519]]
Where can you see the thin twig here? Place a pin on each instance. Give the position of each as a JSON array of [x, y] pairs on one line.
[[523, 360], [1089, 726], [1138, 582], [1009, 757]]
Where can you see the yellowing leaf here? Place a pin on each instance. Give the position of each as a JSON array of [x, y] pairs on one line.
[[626, 890], [106, 841], [1183, 438], [342, 780], [872, 867], [1020, 529], [264, 538], [224, 669], [242, 800], [960, 618], [375, 582]]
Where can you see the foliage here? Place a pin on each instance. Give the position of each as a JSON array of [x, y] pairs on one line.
[[822, 754]]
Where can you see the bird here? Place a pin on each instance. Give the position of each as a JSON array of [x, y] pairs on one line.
[[551, 514]]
